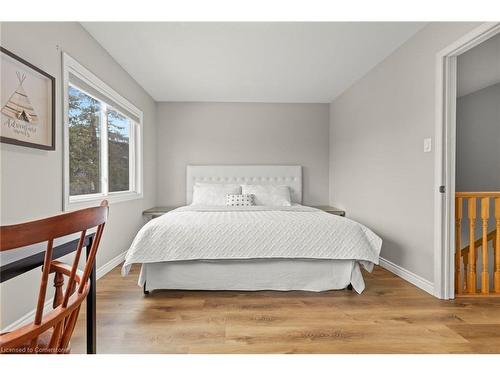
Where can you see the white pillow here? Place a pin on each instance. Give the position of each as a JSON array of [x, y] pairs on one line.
[[213, 194], [268, 195]]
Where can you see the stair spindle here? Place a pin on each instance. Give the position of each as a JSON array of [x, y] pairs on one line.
[[459, 280], [485, 276], [471, 274], [466, 267], [497, 246]]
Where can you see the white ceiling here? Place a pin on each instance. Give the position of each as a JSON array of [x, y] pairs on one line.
[[292, 62], [479, 67]]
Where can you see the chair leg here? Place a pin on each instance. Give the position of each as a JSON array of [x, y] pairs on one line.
[[144, 289], [349, 287]]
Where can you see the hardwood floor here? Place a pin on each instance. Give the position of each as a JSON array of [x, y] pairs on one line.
[[391, 316]]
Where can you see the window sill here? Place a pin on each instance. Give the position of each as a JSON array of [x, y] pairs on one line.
[[96, 199]]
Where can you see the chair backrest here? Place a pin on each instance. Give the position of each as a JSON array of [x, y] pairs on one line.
[[66, 304]]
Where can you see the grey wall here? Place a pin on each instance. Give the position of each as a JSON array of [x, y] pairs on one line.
[[378, 171], [241, 133], [31, 185], [478, 118], [479, 67], [478, 140]]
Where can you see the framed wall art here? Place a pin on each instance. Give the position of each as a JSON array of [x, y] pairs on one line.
[[27, 103]]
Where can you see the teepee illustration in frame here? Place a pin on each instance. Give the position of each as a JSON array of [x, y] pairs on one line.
[[19, 107]]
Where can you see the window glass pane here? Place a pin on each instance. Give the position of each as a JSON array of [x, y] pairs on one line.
[[84, 143], [118, 150]]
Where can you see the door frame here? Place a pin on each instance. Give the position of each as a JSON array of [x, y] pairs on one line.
[[444, 167]]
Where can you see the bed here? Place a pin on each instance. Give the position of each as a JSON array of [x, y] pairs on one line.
[[295, 247]]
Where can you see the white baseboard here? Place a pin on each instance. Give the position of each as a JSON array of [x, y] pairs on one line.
[[101, 271], [409, 276], [105, 268]]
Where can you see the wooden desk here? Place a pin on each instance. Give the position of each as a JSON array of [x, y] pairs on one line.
[[27, 261]]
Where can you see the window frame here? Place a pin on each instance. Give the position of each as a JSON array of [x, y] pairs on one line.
[[71, 66]]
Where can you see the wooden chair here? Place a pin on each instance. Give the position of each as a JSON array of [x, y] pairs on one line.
[[51, 333]]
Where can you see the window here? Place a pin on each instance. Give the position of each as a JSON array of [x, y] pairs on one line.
[[102, 141], [118, 151], [84, 143]]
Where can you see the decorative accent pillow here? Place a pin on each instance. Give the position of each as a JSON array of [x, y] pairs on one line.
[[269, 195], [240, 200], [213, 194]]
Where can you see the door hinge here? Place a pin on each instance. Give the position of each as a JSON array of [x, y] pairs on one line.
[[442, 189]]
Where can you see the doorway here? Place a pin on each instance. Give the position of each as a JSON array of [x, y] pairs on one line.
[[447, 204]]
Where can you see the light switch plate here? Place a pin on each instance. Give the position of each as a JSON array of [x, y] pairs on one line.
[[427, 144]]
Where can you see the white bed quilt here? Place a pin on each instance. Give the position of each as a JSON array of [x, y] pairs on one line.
[[252, 232]]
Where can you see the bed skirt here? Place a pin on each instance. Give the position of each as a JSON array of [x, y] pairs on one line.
[[251, 275]]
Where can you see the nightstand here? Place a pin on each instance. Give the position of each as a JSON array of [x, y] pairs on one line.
[[331, 210], [154, 212]]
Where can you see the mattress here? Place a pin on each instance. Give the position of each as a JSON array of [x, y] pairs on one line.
[[314, 275], [252, 232]]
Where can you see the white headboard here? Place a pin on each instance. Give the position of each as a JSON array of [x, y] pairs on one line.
[[290, 175]]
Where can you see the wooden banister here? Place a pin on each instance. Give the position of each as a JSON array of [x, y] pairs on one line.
[[478, 194], [466, 277], [491, 236]]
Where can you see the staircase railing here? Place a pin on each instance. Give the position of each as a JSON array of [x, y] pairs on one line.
[[466, 280]]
